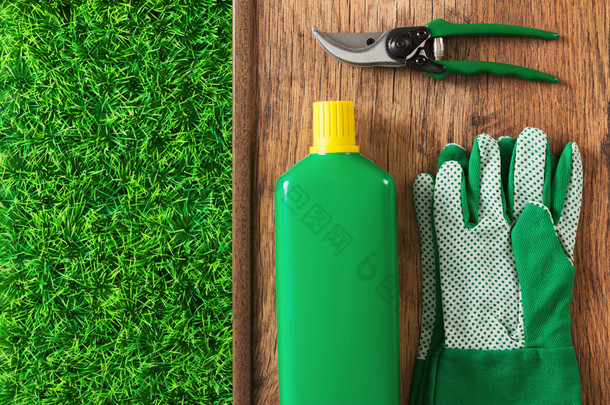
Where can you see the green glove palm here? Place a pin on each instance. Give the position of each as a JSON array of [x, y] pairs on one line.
[[504, 330]]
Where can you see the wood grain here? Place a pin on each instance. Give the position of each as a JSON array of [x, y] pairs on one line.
[[403, 118]]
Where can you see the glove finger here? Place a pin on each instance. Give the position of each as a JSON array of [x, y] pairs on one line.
[[460, 155], [423, 194], [567, 197], [449, 198], [507, 146], [529, 171], [484, 179]]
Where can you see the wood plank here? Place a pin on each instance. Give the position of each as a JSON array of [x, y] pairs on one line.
[[244, 127], [403, 118]]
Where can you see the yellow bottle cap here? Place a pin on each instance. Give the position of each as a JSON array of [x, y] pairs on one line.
[[333, 127]]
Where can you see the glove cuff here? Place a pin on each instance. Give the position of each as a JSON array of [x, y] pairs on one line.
[[523, 376], [416, 381]]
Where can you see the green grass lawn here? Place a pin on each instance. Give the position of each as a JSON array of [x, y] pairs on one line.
[[115, 210]]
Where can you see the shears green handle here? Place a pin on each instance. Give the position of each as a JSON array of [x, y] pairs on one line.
[[470, 67], [442, 28]]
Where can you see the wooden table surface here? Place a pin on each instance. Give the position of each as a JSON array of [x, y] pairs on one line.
[[403, 119]]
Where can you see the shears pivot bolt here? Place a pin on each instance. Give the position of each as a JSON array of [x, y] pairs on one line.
[[400, 46]]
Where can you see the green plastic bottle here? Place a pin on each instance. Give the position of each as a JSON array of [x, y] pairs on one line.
[[337, 272]]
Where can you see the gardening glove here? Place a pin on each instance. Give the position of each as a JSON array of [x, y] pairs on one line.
[[431, 330], [505, 295]]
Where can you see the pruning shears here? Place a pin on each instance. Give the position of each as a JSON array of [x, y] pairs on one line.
[[406, 47]]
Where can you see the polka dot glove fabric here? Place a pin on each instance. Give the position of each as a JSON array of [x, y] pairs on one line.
[[423, 190], [479, 285], [499, 289]]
